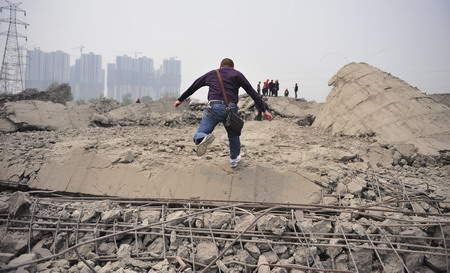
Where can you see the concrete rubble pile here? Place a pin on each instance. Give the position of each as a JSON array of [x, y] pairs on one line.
[[41, 234], [58, 94], [47, 110], [54, 110], [441, 98], [155, 113], [367, 101], [371, 196], [301, 112]]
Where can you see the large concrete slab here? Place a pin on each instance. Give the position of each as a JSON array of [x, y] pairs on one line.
[[367, 101], [86, 172], [44, 115]]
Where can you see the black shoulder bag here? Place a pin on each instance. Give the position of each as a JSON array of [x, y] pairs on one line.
[[233, 123]]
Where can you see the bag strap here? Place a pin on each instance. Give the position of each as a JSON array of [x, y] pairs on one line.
[[223, 89]]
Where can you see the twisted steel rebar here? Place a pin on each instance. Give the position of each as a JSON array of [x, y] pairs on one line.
[[397, 243]]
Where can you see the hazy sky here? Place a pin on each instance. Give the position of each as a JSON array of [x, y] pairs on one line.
[[294, 41]]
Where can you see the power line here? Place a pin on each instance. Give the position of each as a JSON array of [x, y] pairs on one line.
[[11, 74]]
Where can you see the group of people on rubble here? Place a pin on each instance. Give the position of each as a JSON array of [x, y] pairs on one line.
[[271, 89]]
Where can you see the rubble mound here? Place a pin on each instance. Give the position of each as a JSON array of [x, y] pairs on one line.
[[300, 111], [367, 101], [105, 105], [159, 112], [442, 98], [58, 94], [29, 115]]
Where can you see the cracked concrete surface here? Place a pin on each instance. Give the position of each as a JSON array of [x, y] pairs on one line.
[[365, 100]]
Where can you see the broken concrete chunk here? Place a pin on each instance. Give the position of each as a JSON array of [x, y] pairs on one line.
[[88, 215], [126, 157], [322, 226], [152, 216], [359, 229], [19, 203], [271, 257], [217, 219], [363, 259], [42, 252], [157, 246], [5, 257], [406, 150], [341, 261], [252, 249], [305, 255], [244, 221], [304, 226], [329, 201], [413, 261], [332, 250], [174, 217], [206, 252], [354, 188], [106, 248], [393, 264], [110, 215], [161, 266], [15, 243], [438, 263], [24, 258], [4, 206], [245, 257], [101, 206], [262, 265], [379, 156], [341, 189], [275, 224]]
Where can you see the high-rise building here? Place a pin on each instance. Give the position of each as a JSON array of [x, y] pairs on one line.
[[170, 78], [43, 68], [87, 78], [133, 77]]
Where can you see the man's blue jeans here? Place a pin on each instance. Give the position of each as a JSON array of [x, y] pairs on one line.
[[214, 114]]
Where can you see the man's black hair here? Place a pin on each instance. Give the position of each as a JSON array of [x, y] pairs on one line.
[[227, 62]]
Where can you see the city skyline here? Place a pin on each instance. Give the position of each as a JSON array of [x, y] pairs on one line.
[[127, 76]]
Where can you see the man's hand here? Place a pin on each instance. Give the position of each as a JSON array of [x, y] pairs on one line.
[[177, 103], [267, 116]]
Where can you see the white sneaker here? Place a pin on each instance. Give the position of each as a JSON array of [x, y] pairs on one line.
[[203, 146], [234, 162]]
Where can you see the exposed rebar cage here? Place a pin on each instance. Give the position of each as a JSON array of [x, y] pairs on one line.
[[11, 74], [312, 238]]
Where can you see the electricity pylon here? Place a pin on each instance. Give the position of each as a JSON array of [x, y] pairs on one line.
[[11, 74]]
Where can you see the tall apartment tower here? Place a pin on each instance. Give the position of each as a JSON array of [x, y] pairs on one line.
[[170, 78], [87, 77], [131, 76], [44, 68]]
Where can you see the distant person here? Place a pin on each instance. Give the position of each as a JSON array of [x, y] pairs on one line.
[[258, 88], [266, 88], [271, 88], [296, 90], [286, 93], [277, 88], [138, 100], [216, 111]]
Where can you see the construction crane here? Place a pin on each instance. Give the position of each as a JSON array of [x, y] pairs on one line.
[[80, 48], [136, 53]]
